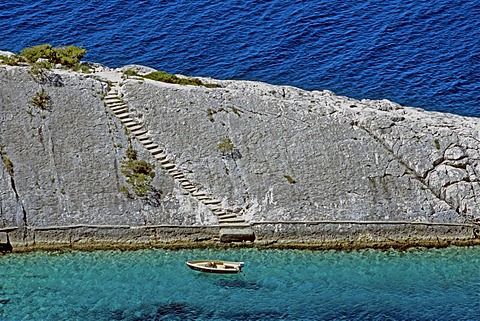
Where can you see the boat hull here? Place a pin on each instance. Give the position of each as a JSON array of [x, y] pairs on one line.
[[217, 267]]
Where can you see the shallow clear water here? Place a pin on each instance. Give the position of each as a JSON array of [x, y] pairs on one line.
[[290, 285], [417, 53]]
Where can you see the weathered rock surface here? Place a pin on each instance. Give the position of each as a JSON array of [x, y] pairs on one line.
[[298, 156]]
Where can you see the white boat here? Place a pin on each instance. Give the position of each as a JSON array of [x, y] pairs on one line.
[[215, 266]]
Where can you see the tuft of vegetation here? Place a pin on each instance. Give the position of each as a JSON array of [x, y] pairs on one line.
[[40, 66], [13, 60], [210, 113], [6, 161], [32, 54], [124, 190], [130, 73], [41, 100], [68, 56], [131, 153], [211, 85], [139, 173], [236, 111], [437, 143], [172, 79], [290, 179], [225, 146], [83, 68]]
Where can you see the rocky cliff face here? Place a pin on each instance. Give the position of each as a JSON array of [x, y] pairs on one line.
[[270, 154], [315, 156]]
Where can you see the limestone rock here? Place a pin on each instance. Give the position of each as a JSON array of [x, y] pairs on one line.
[[296, 155]]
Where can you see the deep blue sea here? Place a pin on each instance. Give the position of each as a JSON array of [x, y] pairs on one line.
[[276, 285], [417, 53]]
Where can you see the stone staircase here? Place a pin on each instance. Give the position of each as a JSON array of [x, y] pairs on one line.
[[233, 228]]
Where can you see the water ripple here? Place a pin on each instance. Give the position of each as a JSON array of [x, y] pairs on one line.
[[416, 53], [291, 285]]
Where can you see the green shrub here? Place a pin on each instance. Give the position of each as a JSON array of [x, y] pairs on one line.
[[81, 68], [131, 153], [290, 179], [172, 79], [6, 162], [7, 60], [38, 67], [13, 60], [139, 173], [225, 146], [211, 85], [130, 72], [68, 56], [437, 143], [41, 100], [124, 190], [210, 113], [32, 54]]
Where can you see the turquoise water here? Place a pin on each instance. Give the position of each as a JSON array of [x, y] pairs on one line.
[[276, 285]]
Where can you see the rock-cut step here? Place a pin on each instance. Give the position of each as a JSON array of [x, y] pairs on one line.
[[114, 100], [158, 154], [112, 97], [119, 111], [235, 225], [150, 146], [223, 221], [123, 115], [227, 215], [168, 166], [145, 140], [129, 122], [211, 201], [139, 132], [134, 127], [116, 105]]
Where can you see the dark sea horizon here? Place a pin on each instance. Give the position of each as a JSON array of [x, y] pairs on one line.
[[421, 54]]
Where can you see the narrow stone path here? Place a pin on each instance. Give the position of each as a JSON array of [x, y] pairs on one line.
[[232, 227]]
